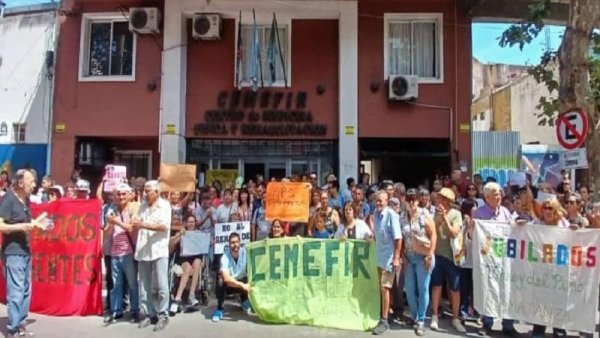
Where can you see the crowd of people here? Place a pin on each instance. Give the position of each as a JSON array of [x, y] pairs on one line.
[[414, 231]]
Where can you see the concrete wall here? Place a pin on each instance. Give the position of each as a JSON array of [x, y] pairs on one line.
[[25, 88], [525, 96]]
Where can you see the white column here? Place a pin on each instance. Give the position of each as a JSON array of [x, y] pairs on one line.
[[348, 96], [173, 84]]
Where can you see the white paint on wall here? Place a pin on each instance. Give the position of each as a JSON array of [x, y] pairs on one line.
[[25, 88]]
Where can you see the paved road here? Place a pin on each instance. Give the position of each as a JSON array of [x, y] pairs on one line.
[[198, 324]]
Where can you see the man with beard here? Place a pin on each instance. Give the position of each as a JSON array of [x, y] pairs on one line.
[[232, 276]]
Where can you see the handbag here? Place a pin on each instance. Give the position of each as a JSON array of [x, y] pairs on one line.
[[458, 249]]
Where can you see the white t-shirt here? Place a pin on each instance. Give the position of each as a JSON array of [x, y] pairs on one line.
[[361, 230], [152, 245]]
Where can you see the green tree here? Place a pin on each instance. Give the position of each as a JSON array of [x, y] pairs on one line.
[[578, 80]]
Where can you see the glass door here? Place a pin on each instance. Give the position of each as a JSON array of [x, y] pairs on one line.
[[275, 170]]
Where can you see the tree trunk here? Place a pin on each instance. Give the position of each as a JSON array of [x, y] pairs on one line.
[[574, 90]]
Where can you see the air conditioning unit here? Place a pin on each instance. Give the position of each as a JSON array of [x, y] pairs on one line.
[[206, 26], [144, 20], [403, 87]]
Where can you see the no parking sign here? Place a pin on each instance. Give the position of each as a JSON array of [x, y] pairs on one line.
[[572, 128]]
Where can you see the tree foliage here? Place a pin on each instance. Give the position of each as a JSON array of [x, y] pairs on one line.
[[524, 32]]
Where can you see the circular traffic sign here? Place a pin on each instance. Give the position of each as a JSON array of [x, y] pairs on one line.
[[572, 128]]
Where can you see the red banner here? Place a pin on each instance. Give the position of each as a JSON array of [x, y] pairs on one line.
[[66, 261]]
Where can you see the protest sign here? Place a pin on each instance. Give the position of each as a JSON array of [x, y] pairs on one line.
[[224, 176], [288, 201], [195, 243], [177, 177], [537, 274], [66, 260], [114, 175], [315, 282], [544, 196], [223, 230]]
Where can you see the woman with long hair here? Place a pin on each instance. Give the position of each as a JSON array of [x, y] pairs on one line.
[[277, 229], [420, 239], [244, 205], [351, 227], [474, 194], [191, 265]]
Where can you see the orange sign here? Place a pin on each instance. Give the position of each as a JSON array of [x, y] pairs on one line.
[[288, 201]]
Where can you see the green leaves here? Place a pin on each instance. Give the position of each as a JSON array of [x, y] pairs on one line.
[[529, 28]]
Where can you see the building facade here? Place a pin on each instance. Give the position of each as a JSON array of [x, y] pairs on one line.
[[320, 103], [27, 42]]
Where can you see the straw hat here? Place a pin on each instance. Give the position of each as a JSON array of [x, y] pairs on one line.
[[448, 194]]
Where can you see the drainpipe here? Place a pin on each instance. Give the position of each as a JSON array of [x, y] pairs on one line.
[[51, 77]]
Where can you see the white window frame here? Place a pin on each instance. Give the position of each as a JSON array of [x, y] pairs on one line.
[[415, 17], [261, 21], [17, 134], [139, 152], [84, 47]]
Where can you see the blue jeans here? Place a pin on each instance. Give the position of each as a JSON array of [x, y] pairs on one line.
[[417, 285], [156, 273], [17, 271], [123, 269]]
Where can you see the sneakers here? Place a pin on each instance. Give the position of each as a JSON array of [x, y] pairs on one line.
[[22, 332], [420, 329], [162, 323], [247, 307], [174, 308], [381, 327], [147, 322], [193, 301], [484, 331], [217, 315], [434, 323], [135, 318], [112, 318], [456, 323], [511, 332]]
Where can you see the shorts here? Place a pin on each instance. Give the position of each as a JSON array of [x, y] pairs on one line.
[[188, 259], [445, 270], [386, 278]]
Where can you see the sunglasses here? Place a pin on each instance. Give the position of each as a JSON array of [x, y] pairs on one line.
[[410, 198], [472, 189], [572, 202], [548, 208]]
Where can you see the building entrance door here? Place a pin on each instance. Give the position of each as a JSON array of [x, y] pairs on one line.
[[276, 170]]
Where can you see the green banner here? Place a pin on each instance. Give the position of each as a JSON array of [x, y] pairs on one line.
[[315, 282]]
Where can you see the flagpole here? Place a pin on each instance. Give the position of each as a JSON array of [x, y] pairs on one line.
[[280, 53], [262, 83]]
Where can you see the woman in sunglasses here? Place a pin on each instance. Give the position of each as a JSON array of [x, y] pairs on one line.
[[473, 194], [420, 239]]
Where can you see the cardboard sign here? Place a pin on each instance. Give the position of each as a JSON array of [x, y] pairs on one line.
[[224, 176], [195, 243], [574, 159], [178, 177], [223, 230], [288, 201], [544, 196], [517, 178], [537, 274], [115, 175]]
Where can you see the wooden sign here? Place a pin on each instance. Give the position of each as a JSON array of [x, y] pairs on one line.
[[177, 177], [288, 201]]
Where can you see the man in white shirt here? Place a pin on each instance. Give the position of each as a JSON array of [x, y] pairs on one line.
[[232, 276], [152, 253]]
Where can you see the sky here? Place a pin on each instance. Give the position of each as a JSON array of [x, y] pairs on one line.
[[486, 49], [485, 41]]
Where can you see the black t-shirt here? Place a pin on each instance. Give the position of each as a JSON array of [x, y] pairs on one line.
[[12, 211]]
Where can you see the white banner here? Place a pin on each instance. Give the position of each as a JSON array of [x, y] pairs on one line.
[[223, 230], [540, 274], [195, 243]]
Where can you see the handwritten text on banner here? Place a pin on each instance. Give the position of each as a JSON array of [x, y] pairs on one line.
[[288, 201], [538, 274]]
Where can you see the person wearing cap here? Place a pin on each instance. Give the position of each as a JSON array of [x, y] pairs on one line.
[[152, 253], [82, 189], [420, 239], [574, 216], [121, 238], [388, 242], [55, 193], [448, 223], [494, 211]]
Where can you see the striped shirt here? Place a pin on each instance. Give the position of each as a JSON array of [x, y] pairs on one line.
[[121, 240]]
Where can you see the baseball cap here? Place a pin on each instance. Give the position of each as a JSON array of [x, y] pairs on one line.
[[82, 185], [59, 189]]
